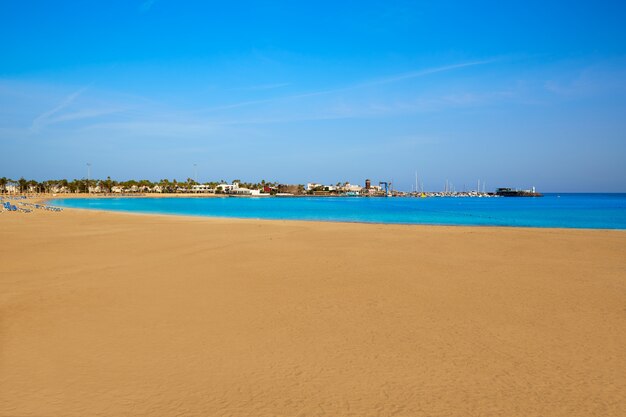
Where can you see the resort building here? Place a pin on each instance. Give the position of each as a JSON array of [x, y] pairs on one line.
[[240, 191], [373, 190], [312, 186], [58, 189], [202, 188], [246, 191], [347, 187], [226, 188]]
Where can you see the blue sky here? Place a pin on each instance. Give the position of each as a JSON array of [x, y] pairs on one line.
[[511, 93]]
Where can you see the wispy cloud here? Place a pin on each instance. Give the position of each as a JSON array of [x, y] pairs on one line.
[[146, 6], [378, 109], [265, 86], [394, 78], [239, 104], [171, 128], [421, 73], [398, 77], [153, 119], [368, 83], [44, 117], [84, 114], [589, 81]]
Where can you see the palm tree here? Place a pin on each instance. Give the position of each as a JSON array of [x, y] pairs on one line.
[[64, 184], [3, 184], [144, 185], [32, 185], [190, 183], [107, 184], [48, 185], [73, 186], [165, 185], [23, 184], [13, 184]]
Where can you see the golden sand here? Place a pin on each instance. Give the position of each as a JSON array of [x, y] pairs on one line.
[[106, 314]]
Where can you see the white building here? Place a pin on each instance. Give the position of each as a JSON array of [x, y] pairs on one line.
[[374, 189], [258, 193], [240, 191], [201, 188], [246, 191], [225, 188], [315, 186], [347, 187], [59, 189], [312, 186]]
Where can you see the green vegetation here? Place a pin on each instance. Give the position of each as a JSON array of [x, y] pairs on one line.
[[8, 185]]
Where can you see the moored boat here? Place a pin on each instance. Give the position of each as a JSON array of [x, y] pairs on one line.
[[512, 192]]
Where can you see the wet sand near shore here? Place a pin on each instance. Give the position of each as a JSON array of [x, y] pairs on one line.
[[113, 314]]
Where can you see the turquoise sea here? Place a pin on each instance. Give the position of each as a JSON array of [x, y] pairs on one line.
[[598, 211]]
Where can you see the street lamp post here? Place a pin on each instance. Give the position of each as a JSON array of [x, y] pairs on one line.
[[88, 175]]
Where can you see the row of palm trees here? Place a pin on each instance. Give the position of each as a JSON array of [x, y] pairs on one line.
[[23, 185]]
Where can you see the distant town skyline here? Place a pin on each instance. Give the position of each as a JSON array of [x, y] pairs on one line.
[[519, 95]]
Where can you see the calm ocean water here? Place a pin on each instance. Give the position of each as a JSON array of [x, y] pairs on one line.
[[601, 211]]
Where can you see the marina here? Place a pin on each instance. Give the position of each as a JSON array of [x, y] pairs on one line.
[[511, 192]]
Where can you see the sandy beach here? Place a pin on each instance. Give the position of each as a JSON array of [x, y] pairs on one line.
[[108, 314]]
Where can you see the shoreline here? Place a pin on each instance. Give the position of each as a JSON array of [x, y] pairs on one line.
[[83, 196], [333, 222], [418, 225]]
